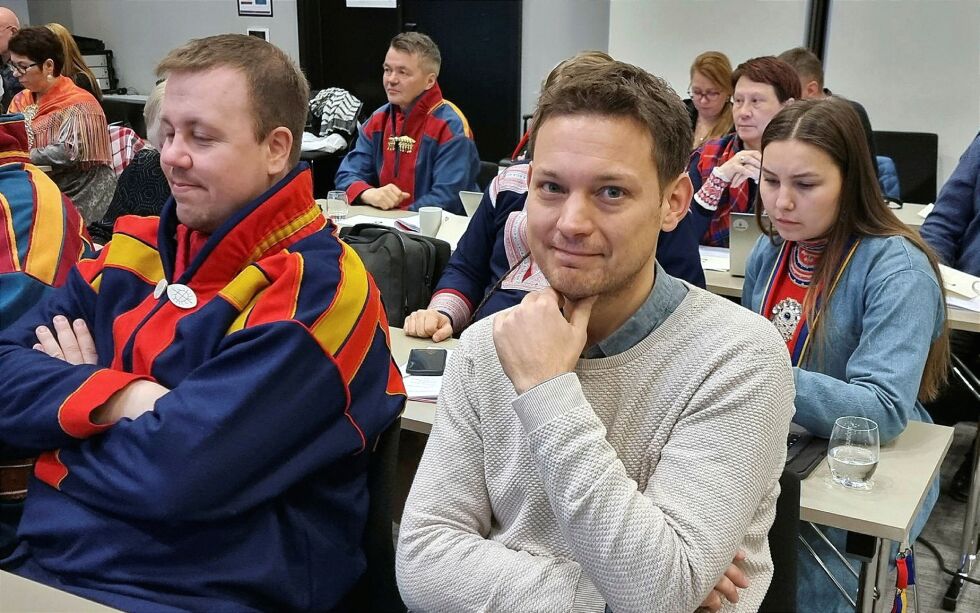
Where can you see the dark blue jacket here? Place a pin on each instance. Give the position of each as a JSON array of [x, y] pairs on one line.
[[953, 227], [245, 487]]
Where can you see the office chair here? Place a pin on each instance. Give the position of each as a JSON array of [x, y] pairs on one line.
[[783, 535], [488, 170], [376, 590], [916, 156]]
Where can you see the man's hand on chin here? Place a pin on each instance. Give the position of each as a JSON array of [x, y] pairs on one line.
[[536, 341]]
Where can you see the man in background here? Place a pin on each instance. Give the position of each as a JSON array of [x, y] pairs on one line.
[[418, 149], [9, 24], [953, 230], [810, 70], [43, 236]]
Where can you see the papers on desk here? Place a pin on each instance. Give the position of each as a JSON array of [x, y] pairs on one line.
[[715, 258], [423, 389], [450, 229], [412, 224], [356, 219], [962, 290], [926, 210]]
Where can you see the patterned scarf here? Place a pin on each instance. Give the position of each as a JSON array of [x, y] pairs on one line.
[[69, 115]]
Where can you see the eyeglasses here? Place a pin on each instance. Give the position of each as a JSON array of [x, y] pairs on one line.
[[18, 69], [709, 95]]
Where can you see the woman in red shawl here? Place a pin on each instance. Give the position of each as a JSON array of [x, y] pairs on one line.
[[66, 126]]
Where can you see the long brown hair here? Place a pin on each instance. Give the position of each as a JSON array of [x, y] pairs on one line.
[[832, 126], [74, 64]]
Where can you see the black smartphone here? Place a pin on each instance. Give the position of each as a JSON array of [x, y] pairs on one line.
[[430, 361]]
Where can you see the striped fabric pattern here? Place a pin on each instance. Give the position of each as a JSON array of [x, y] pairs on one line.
[[42, 235]]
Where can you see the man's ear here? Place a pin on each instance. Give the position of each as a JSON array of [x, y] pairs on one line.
[[676, 202], [280, 144], [430, 80], [811, 90]]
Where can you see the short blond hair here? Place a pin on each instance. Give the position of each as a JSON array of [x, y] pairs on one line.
[[416, 43], [269, 73]]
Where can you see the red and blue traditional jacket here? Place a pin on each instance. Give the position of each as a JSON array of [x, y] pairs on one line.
[[427, 152], [245, 487], [42, 235]]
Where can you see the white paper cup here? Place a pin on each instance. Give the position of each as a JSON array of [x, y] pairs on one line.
[[430, 218]]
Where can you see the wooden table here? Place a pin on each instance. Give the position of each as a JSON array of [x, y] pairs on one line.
[[21, 595]]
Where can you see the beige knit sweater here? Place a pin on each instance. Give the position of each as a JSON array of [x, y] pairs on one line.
[[631, 481]]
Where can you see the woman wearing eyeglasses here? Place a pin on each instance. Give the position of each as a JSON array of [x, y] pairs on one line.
[[66, 126], [725, 171], [710, 94], [853, 291]]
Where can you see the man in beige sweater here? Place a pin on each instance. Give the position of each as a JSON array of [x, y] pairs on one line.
[[611, 442]]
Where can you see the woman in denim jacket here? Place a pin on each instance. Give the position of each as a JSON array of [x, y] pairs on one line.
[[853, 291]]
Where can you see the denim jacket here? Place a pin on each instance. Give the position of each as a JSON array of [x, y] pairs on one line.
[[882, 318]]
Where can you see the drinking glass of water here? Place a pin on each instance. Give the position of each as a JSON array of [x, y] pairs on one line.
[[853, 452], [337, 206]]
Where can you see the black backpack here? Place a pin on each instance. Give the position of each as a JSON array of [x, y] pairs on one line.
[[406, 266]]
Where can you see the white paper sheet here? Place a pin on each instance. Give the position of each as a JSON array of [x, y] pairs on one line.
[[715, 258]]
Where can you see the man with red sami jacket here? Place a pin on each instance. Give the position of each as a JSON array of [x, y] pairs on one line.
[[418, 149], [207, 390]]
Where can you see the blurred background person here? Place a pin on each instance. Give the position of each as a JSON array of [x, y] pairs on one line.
[[725, 171], [583, 60], [75, 67], [142, 188], [9, 86], [66, 125], [809, 68], [44, 239], [710, 92], [953, 230]]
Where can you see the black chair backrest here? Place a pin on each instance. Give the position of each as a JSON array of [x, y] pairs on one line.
[[916, 156], [377, 590], [783, 544], [127, 112], [488, 170]]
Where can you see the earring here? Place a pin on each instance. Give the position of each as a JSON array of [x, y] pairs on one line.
[[50, 77]]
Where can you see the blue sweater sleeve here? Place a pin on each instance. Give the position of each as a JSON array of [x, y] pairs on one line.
[[455, 168], [359, 164], [468, 270], [956, 207]]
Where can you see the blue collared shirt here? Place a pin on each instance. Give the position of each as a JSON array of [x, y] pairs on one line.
[[664, 298]]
